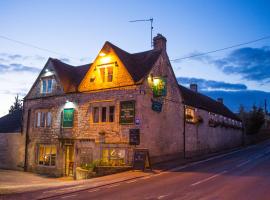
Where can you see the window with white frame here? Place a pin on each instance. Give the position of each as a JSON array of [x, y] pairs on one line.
[[103, 114], [43, 119], [46, 86], [46, 154]]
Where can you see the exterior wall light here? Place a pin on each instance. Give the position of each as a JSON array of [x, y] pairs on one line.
[[106, 59], [102, 54], [69, 104], [156, 81]]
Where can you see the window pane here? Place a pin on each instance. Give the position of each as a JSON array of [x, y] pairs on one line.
[[49, 119], [68, 115], [102, 74], [105, 155], [103, 114], [190, 115], [42, 123], [110, 74], [41, 155], [38, 119], [44, 86], [111, 114], [49, 88], [95, 114]]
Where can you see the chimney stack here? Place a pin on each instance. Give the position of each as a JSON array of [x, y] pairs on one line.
[[220, 100], [160, 42], [194, 87]]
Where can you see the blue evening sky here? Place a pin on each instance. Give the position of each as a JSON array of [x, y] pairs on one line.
[[78, 29]]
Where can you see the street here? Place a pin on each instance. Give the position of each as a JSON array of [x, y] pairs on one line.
[[242, 174]]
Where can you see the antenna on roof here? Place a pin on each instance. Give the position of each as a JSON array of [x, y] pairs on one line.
[[151, 23]]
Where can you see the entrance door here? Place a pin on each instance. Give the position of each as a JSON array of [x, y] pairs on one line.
[[69, 160]]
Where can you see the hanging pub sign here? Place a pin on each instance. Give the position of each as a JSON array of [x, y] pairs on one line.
[[134, 136], [127, 112], [156, 106], [141, 159], [159, 86]]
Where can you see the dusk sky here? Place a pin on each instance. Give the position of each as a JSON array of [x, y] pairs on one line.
[[78, 29]]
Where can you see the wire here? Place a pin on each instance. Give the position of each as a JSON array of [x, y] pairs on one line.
[[37, 47], [222, 49]]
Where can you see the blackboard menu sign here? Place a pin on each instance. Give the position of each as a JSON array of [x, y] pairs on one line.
[[127, 112], [156, 106], [141, 159], [134, 136]]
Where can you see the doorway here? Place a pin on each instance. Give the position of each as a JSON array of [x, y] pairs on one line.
[[69, 160]]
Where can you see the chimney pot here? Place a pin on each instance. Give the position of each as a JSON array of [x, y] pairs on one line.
[[160, 42], [194, 87]]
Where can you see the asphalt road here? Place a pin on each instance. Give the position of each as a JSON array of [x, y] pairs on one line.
[[243, 174]]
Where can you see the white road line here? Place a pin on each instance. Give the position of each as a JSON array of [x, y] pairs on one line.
[[111, 186], [209, 178], [146, 177], [162, 196], [243, 163], [95, 190], [73, 195], [132, 181]]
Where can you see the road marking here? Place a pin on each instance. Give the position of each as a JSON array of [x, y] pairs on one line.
[[209, 178], [111, 186], [73, 195], [132, 181], [146, 177], [95, 190], [162, 196], [243, 163]]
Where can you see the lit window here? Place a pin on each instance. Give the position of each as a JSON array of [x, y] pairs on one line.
[[68, 115], [46, 155], [110, 74], [106, 74], [111, 114], [103, 114], [46, 86], [190, 115], [96, 114]]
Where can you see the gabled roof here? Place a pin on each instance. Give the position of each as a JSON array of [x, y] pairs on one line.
[[11, 123], [197, 100], [137, 64], [70, 76]]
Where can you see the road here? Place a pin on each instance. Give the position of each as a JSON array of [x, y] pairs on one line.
[[243, 174]]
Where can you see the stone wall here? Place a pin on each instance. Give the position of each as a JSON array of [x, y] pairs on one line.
[[12, 151], [202, 139]]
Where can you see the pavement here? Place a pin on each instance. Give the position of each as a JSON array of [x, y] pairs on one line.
[[240, 174]]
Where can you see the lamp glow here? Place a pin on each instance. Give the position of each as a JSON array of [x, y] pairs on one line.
[[105, 59], [102, 54], [156, 81]]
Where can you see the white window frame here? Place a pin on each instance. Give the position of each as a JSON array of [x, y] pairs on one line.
[[47, 89]]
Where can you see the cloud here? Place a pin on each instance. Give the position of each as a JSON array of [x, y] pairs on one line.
[[14, 67], [204, 84], [252, 64]]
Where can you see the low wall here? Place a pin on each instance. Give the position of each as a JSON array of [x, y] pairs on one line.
[[12, 147]]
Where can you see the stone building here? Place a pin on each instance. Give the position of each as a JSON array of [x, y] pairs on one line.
[[12, 141], [75, 115]]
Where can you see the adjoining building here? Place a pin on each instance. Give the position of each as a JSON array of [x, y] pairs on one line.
[[12, 141], [103, 110]]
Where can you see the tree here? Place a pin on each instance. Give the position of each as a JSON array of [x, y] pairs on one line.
[[17, 105], [252, 120]]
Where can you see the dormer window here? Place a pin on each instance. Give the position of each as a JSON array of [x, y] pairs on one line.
[[46, 85], [106, 74]]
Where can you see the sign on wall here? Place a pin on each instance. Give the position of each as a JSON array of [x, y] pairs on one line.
[[127, 112], [156, 106], [159, 86], [134, 136]]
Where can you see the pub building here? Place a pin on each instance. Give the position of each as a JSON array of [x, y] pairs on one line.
[[75, 115]]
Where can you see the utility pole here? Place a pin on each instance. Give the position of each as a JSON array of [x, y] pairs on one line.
[[151, 26]]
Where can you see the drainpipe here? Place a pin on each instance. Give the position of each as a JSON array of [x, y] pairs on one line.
[[26, 139], [184, 132]]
